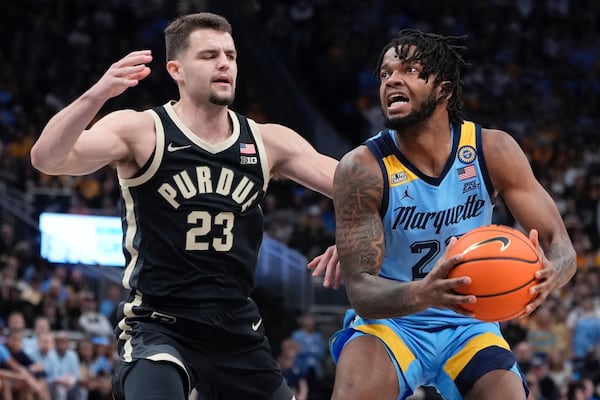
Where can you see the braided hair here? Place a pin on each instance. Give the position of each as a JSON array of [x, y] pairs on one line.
[[440, 56]]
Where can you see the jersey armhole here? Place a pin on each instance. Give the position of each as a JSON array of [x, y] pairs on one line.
[[385, 196], [151, 166], [482, 165], [262, 151]]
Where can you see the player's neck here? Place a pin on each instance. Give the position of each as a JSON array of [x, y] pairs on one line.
[[209, 122], [427, 146]]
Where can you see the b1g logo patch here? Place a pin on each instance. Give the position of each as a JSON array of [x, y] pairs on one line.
[[244, 160], [467, 154]]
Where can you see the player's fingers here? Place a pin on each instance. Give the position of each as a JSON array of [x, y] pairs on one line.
[[447, 265], [532, 305], [138, 76], [135, 57], [338, 276], [129, 71], [330, 272], [451, 243], [453, 283], [534, 237], [315, 266], [312, 264]]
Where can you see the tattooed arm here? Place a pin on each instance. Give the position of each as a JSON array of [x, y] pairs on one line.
[[357, 196]]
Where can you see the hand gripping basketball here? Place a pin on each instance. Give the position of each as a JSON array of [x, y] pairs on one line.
[[502, 263]]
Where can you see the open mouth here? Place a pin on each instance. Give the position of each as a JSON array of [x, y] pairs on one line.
[[397, 98], [222, 79]]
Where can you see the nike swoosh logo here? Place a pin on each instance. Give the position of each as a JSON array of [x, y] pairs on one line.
[[501, 239], [256, 325], [172, 148]]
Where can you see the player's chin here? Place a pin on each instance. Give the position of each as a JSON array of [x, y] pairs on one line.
[[222, 99], [396, 115]]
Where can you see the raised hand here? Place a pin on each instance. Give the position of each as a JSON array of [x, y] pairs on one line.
[[123, 74]]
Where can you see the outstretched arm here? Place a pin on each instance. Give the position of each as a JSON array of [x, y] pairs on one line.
[[293, 157], [59, 149]]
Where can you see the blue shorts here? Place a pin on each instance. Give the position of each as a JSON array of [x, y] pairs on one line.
[[450, 358]]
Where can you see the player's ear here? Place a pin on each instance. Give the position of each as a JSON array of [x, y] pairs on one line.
[[174, 69], [445, 90]]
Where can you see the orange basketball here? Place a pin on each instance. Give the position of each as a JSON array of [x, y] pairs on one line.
[[501, 262]]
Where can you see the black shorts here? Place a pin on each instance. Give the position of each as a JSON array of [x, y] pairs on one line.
[[225, 355]]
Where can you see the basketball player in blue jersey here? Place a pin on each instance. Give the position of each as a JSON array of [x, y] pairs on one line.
[[192, 174], [401, 199]]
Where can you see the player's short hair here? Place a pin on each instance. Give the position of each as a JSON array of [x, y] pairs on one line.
[[178, 32], [440, 56]]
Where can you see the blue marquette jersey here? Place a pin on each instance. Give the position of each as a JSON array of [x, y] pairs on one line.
[[420, 213]]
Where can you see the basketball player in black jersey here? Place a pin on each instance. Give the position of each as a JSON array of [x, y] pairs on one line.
[[192, 174]]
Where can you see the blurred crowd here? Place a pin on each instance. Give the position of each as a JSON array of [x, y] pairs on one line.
[[535, 73]]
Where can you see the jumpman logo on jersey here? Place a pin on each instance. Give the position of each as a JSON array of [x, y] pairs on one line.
[[406, 194]]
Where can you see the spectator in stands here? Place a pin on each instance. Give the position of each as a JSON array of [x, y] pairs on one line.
[[102, 366], [76, 281], [7, 238], [16, 321], [14, 344], [590, 391], [65, 373], [30, 342], [72, 310], [294, 375], [576, 391], [311, 236], [540, 335], [15, 378], [45, 352], [312, 349], [559, 368], [559, 310], [31, 292], [524, 355], [92, 385], [52, 311], [92, 321], [55, 286], [543, 388], [584, 324], [109, 303], [10, 289]]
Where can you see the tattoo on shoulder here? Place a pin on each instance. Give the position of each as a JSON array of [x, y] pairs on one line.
[[358, 187], [357, 197]]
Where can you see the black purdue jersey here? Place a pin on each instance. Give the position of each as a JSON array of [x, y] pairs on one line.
[[192, 219]]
